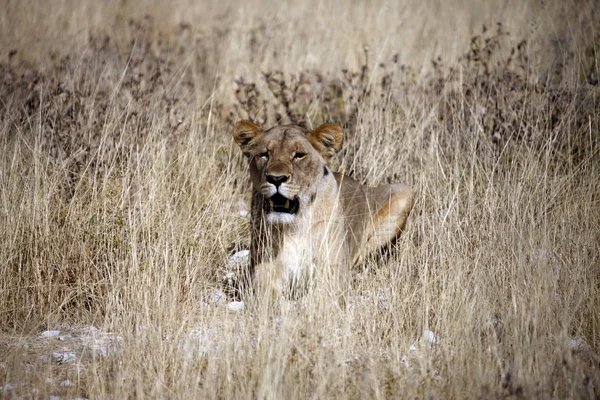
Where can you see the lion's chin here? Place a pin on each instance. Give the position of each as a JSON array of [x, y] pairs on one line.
[[281, 218]]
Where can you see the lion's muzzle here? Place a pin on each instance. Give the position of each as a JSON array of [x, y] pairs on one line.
[[281, 204]]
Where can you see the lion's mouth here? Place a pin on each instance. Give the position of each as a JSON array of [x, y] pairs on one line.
[[280, 203]]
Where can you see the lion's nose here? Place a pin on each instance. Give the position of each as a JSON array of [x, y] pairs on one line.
[[277, 179]]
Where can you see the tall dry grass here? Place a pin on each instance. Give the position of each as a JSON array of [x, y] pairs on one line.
[[120, 191]]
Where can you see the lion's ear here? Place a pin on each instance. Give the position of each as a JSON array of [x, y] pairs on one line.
[[327, 139], [244, 133]]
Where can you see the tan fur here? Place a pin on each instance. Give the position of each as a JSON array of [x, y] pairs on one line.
[[338, 222]]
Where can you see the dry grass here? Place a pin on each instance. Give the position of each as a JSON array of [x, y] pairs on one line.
[[120, 190]]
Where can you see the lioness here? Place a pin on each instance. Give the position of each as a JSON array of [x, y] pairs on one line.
[[307, 220]]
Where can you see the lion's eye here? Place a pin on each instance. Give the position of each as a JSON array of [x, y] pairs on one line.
[[299, 156], [264, 155]]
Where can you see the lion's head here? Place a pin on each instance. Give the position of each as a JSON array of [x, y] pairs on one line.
[[288, 165]]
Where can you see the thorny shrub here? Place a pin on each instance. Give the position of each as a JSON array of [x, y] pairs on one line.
[[490, 92]]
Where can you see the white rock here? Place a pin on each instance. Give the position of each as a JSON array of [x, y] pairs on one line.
[[430, 337], [236, 306], [229, 275], [66, 383], [243, 207], [64, 357], [577, 342], [239, 257], [90, 329], [48, 334]]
